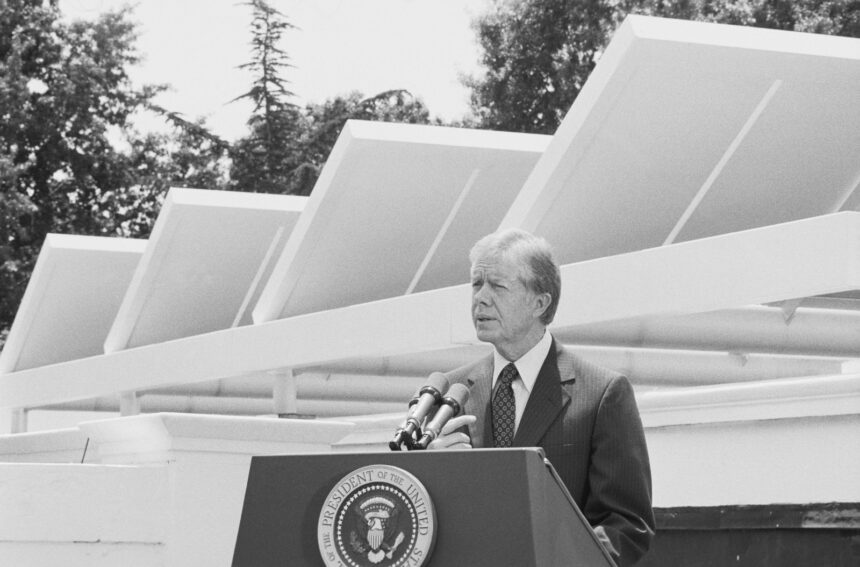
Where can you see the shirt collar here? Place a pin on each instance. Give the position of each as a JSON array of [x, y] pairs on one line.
[[528, 365]]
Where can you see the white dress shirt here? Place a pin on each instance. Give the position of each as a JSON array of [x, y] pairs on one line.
[[528, 367]]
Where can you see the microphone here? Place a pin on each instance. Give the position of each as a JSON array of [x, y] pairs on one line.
[[451, 404], [429, 396]]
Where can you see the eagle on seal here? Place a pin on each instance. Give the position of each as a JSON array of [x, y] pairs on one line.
[[376, 524]]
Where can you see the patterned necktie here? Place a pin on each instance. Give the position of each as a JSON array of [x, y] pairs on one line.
[[504, 408]]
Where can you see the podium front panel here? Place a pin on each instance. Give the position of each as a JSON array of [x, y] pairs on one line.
[[485, 507]]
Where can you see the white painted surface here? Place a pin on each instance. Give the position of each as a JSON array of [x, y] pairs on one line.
[[87, 503], [82, 554], [204, 265], [207, 460], [686, 130], [169, 490], [71, 300], [804, 460], [395, 210]]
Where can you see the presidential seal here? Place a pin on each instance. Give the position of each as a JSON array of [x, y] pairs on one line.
[[377, 516]]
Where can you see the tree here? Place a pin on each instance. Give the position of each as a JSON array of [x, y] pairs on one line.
[[262, 159], [537, 54], [65, 100], [62, 87]]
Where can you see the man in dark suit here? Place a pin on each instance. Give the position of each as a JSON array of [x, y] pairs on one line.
[[532, 391]]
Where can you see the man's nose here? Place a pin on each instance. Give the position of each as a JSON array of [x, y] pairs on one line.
[[481, 296]]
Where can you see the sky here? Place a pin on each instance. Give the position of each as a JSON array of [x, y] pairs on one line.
[[371, 46]]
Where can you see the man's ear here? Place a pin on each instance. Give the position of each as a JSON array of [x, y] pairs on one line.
[[542, 301]]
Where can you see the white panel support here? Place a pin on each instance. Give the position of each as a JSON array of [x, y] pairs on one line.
[[727, 155], [804, 258], [850, 201], [18, 420], [414, 323], [129, 404], [265, 265], [764, 265], [285, 393], [455, 208], [785, 398]]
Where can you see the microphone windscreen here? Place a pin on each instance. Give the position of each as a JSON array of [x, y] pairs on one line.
[[438, 381], [459, 393]]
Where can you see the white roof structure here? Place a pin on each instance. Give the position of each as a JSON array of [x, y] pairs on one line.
[[686, 130], [394, 209], [71, 300], [685, 195], [207, 259]]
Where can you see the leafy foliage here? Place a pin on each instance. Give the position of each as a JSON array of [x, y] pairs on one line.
[[66, 104], [62, 88], [537, 54], [262, 159]]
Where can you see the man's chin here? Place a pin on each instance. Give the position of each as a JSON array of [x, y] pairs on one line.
[[485, 335]]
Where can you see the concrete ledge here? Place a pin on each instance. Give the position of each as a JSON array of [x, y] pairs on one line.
[[163, 437], [785, 398], [371, 433], [58, 446]]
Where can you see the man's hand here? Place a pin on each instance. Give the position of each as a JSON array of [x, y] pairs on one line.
[[450, 438]]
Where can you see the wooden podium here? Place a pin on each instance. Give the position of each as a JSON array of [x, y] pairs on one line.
[[493, 507]]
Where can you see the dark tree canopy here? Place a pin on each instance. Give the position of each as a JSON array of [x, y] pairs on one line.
[[537, 54], [62, 88], [66, 105]]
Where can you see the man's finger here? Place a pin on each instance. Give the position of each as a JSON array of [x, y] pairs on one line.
[[454, 440], [458, 422]]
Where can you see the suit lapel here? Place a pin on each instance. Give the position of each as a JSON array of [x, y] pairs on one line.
[[546, 401], [480, 383]]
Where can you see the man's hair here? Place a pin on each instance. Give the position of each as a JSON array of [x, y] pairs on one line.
[[538, 270]]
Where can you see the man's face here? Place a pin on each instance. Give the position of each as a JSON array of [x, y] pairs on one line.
[[505, 312]]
